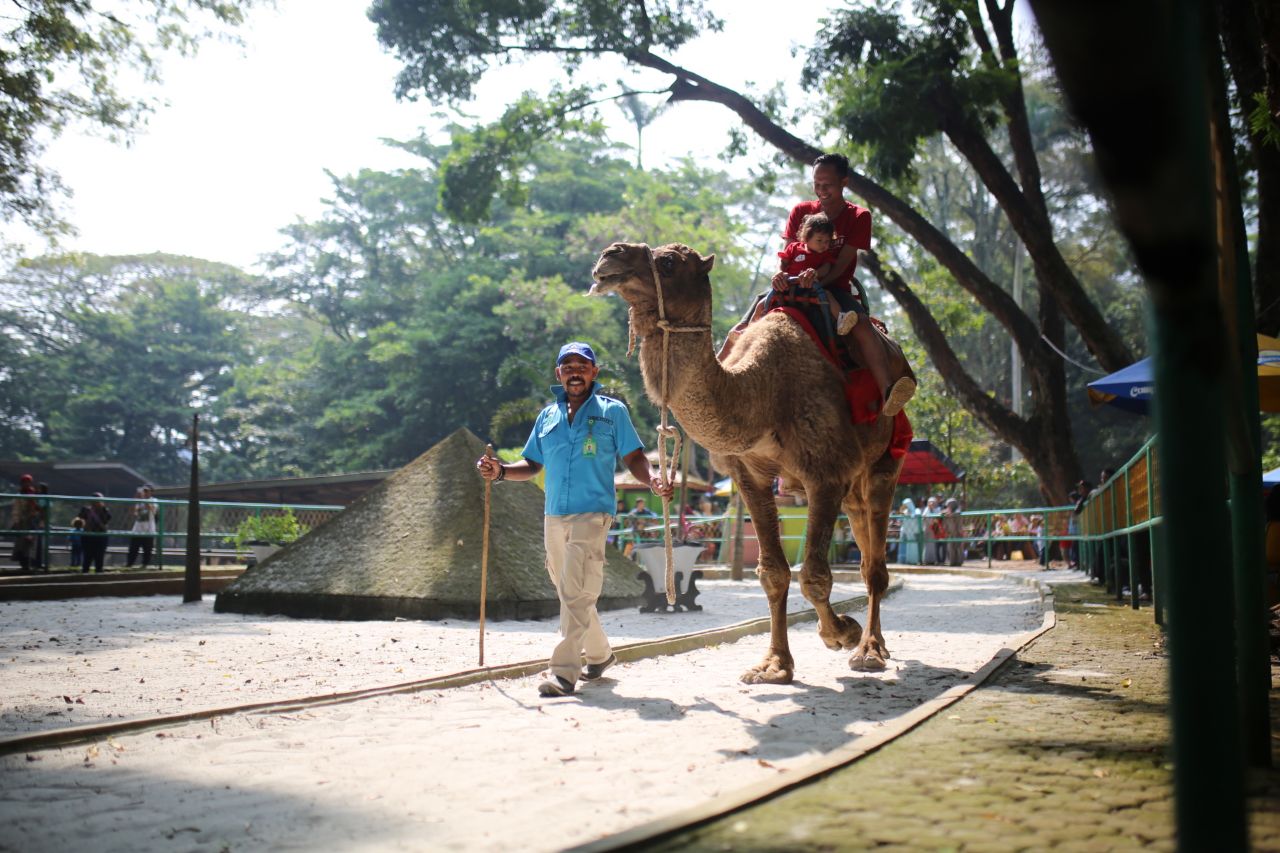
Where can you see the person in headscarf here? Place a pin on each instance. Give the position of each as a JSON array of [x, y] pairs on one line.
[[912, 534], [932, 512]]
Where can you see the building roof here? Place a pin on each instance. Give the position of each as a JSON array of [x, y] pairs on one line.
[[926, 464], [113, 479], [332, 489]]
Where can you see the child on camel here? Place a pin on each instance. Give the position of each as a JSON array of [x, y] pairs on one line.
[[813, 252]]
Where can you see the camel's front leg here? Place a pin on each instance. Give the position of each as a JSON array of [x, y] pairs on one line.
[[836, 631], [775, 577], [870, 526], [870, 654]]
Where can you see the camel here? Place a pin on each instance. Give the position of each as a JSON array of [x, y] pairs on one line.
[[775, 407]]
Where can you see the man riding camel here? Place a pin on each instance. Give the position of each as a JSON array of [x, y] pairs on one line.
[[852, 231]]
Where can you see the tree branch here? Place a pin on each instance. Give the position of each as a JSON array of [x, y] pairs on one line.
[[690, 86], [550, 48], [1015, 110], [997, 417], [1052, 271]]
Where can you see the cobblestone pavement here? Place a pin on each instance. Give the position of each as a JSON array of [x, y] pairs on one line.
[[1065, 749]]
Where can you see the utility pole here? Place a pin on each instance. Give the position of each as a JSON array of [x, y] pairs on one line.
[[1015, 359], [191, 586]]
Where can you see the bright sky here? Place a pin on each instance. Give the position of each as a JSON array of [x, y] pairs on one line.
[[240, 149]]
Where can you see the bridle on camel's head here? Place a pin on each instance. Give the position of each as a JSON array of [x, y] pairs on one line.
[[666, 464], [664, 324]]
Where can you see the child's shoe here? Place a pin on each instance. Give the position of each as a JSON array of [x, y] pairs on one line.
[[846, 321]]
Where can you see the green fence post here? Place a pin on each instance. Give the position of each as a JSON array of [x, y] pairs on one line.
[[1157, 557], [990, 520], [1047, 542], [1112, 548], [1128, 540], [191, 576], [160, 534]]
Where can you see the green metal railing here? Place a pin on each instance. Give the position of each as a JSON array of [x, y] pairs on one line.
[[218, 521], [992, 534], [1124, 508]]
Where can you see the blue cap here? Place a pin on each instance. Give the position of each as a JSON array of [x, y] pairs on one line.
[[576, 348]]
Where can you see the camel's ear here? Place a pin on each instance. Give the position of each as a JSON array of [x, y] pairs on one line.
[[707, 263]]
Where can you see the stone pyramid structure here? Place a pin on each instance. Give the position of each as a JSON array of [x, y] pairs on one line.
[[410, 547]]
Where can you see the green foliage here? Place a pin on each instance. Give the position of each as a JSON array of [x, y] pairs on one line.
[[891, 84], [445, 47], [258, 426], [275, 528], [486, 162], [117, 352], [1270, 441], [59, 60], [948, 193], [700, 208], [512, 454], [1262, 122]]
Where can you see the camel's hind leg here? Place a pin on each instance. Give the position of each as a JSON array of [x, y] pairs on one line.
[[775, 576], [869, 514], [836, 631]]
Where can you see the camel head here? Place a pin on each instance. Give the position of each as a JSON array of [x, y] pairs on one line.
[[627, 269]]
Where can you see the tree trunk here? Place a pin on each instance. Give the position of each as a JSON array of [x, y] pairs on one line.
[[1043, 437], [1241, 23]]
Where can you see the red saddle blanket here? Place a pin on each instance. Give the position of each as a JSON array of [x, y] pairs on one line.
[[860, 391]]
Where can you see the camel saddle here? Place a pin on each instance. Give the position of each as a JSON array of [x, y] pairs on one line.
[[807, 307]]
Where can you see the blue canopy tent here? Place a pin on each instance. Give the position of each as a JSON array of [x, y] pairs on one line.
[[1129, 388]]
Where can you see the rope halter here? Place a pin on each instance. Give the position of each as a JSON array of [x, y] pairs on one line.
[[666, 432]]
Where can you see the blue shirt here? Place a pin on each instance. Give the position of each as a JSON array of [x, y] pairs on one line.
[[577, 482]]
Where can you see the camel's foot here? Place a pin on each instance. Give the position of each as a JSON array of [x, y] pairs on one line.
[[846, 634], [869, 656], [774, 669]]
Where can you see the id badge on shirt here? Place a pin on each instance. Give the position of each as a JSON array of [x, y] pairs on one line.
[[589, 446]]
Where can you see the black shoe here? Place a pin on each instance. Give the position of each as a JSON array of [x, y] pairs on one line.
[[555, 686], [595, 670]]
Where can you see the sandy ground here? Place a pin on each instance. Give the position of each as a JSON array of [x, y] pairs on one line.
[[487, 767], [91, 660]]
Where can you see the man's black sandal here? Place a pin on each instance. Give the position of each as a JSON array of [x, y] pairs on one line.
[[595, 670], [555, 686]]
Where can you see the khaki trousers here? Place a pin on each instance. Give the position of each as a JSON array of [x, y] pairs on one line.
[[575, 561]]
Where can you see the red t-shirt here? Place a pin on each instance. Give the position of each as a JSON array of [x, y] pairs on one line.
[[797, 258], [852, 227]]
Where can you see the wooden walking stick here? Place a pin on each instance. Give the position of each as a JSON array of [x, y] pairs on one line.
[[484, 552]]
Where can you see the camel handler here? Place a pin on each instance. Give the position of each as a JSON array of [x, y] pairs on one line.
[[578, 438]]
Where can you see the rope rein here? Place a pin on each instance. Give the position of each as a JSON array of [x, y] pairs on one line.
[[666, 432]]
